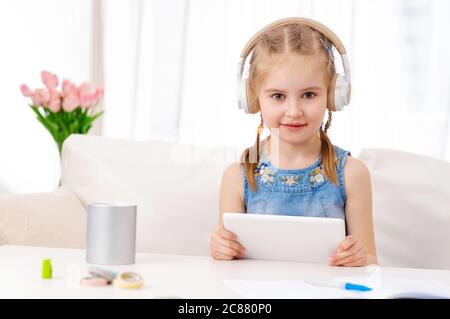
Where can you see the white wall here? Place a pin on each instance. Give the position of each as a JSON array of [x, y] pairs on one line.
[[36, 35]]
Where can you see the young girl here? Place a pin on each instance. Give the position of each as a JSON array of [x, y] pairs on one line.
[[296, 170]]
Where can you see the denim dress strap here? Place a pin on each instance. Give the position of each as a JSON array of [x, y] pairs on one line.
[[342, 158], [244, 175]]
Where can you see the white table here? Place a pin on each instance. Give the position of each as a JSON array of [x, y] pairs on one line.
[[169, 275]]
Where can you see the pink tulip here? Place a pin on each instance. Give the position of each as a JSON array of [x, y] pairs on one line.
[[26, 90], [70, 103], [54, 104], [69, 88], [86, 100], [54, 93], [98, 95], [36, 100], [49, 79], [83, 88], [41, 97]]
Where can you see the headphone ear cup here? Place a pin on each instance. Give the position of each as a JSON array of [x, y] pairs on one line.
[[331, 94], [243, 100], [242, 95], [342, 92], [339, 93], [243, 88]]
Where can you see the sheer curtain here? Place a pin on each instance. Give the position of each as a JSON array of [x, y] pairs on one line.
[[401, 77], [39, 35], [171, 70]]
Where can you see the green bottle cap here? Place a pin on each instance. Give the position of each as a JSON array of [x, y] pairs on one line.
[[47, 271]]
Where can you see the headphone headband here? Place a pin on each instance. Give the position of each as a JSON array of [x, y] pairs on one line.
[[286, 21]]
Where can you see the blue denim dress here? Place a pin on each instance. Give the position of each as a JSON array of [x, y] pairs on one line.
[[299, 192]]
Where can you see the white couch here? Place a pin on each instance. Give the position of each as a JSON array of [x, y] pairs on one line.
[[176, 190]]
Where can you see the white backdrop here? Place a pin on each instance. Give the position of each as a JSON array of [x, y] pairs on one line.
[[37, 35], [169, 70]]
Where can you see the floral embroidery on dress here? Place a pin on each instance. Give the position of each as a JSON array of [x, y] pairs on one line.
[[316, 177], [290, 180], [265, 173]]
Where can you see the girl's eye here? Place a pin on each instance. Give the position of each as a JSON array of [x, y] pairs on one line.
[[309, 95], [278, 96]]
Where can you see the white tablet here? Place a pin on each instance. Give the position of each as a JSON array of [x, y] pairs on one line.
[[286, 238]]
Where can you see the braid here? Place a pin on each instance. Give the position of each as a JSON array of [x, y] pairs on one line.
[[328, 123], [328, 153], [248, 160], [258, 133]]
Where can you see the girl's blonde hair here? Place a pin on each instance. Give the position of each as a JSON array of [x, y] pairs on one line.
[[270, 48]]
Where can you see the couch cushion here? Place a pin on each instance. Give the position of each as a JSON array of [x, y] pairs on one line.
[[176, 188], [55, 219], [411, 208]]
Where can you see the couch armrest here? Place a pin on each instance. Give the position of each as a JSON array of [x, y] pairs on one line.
[[56, 219]]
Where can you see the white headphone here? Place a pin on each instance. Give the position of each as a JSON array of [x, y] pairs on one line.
[[340, 90]]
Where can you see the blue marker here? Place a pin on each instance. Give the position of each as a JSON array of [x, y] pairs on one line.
[[337, 284]]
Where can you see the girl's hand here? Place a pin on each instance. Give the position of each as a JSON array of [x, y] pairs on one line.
[[224, 245], [350, 253]]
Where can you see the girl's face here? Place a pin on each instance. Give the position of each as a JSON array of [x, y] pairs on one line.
[[293, 98]]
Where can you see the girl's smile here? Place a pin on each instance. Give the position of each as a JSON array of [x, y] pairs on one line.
[[293, 127]]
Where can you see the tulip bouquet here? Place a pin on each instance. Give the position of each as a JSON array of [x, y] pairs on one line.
[[64, 112]]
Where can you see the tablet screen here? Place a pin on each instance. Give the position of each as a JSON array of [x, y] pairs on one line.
[[286, 238]]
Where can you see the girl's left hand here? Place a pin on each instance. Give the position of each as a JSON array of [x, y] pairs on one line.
[[350, 253]]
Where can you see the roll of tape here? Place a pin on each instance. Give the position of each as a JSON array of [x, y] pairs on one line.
[[128, 280], [103, 273], [93, 282]]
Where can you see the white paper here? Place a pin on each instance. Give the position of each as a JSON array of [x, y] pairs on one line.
[[286, 289], [298, 289]]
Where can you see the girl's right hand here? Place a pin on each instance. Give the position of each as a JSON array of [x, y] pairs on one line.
[[224, 245]]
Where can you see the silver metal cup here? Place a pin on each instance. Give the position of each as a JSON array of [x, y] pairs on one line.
[[111, 233]]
